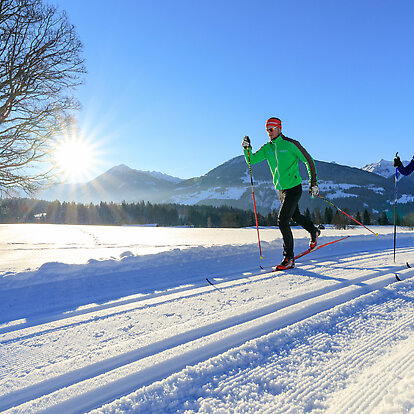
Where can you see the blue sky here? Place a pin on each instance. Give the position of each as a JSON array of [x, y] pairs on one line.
[[173, 86]]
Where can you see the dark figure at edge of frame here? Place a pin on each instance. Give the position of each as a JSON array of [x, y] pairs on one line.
[[407, 170], [282, 154]]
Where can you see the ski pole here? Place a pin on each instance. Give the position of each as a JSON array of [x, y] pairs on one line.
[[395, 208], [254, 203], [332, 204]]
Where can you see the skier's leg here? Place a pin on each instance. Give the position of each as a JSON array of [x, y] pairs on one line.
[[303, 221], [307, 225], [289, 199]]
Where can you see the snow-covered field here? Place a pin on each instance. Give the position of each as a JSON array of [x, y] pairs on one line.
[[122, 319]]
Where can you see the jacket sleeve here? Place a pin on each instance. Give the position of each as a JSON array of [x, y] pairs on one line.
[[308, 160], [256, 157], [408, 169]]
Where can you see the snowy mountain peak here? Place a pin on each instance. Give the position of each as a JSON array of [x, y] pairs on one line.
[[123, 169], [166, 177], [382, 167]]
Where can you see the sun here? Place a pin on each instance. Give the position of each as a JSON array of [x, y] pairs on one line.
[[74, 159]]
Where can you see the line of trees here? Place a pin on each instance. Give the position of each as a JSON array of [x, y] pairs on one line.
[[26, 210], [341, 221], [31, 211]]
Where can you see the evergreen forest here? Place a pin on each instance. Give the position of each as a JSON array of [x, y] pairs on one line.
[[25, 210]]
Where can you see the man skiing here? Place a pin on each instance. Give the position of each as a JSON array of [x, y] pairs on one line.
[[282, 154], [407, 170]]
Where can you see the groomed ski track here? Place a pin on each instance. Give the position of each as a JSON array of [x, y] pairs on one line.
[[196, 323]]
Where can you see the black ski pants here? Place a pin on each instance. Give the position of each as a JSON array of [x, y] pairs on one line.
[[290, 211]]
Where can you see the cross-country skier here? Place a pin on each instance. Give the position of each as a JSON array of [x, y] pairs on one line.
[[408, 169], [282, 154]]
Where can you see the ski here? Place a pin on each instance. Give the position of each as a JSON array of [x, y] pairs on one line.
[[214, 286], [315, 248], [320, 247], [396, 275], [272, 269]]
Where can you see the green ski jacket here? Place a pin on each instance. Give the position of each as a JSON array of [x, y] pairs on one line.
[[282, 155]]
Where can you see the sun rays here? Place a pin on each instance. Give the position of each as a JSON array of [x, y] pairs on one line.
[[76, 157]]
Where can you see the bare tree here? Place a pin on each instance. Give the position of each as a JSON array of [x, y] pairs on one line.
[[40, 65]]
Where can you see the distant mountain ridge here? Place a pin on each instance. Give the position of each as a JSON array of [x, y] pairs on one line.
[[122, 169], [117, 184], [229, 184], [382, 167]]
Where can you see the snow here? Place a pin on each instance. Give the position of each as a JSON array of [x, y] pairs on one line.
[[107, 319], [382, 167], [378, 190], [405, 199], [336, 190], [222, 193], [166, 177], [245, 179]]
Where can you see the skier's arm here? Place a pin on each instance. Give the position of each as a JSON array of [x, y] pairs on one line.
[[408, 169], [308, 160], [256, 157]]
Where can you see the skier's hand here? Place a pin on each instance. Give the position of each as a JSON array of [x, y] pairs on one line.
[[246, 142], [397, 162], [314, 190]]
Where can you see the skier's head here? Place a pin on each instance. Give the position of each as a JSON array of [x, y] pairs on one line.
[[273, 127]]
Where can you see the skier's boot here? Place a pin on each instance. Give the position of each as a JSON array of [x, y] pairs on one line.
[[314, 239], [286, 264]]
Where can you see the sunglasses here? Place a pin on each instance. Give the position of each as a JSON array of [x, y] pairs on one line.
[[271, 129]]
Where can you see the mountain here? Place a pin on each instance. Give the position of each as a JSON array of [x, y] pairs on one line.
[[118, 184], [163, 176], [229, 184], [382, 167], [347, 187]]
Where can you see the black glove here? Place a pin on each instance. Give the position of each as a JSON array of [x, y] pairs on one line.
[[397, 162], [246, 142]]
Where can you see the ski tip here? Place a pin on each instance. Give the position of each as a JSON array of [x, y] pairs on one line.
[[408, 265], [396, 276], [214, 286]]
